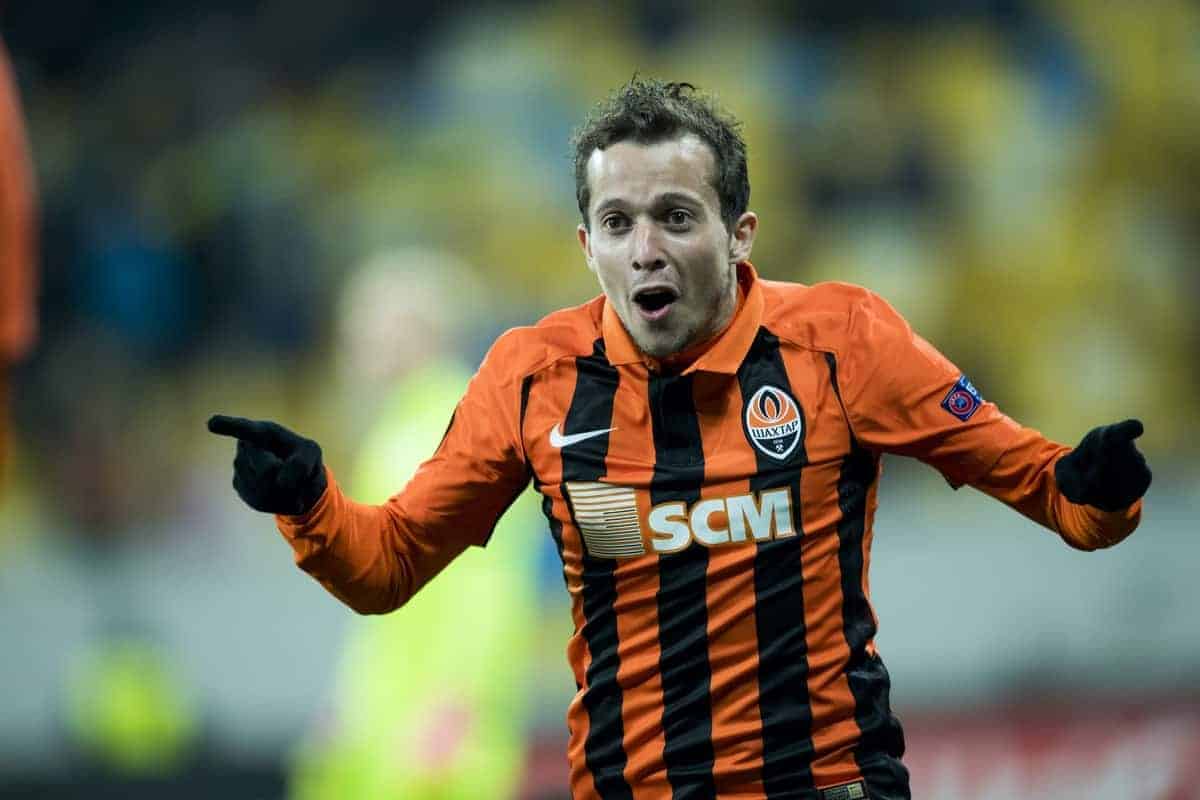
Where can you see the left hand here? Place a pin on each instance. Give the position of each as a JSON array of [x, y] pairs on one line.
[[1105, 470]]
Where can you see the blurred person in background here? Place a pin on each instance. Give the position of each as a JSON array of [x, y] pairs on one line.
[[675, 414], [424, 707], [18, 247]]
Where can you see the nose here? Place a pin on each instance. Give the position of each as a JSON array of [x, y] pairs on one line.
[[647, 249]]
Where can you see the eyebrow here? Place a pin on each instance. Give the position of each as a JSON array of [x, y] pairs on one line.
[[659, 200]]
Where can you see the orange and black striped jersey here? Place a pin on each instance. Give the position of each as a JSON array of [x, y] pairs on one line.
[[714, 525]]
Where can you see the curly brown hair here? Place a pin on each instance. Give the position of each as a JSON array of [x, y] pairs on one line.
[[649, 111]]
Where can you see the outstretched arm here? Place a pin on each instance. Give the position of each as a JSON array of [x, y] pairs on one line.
[[903, 396], [1091, 495], [375, 557]]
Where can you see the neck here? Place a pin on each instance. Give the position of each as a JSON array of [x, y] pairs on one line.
[[686, 357]]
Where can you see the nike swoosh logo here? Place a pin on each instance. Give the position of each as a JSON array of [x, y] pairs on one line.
[[558, 440]]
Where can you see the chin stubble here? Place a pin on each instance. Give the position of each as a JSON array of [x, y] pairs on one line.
[[702, 330]]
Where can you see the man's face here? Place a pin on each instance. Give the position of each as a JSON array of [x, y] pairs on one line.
[[657, 244]]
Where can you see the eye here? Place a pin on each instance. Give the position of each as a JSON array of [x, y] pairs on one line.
[[678, 217], [613, 222]]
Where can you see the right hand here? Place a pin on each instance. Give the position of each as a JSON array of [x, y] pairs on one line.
[[276, 470]]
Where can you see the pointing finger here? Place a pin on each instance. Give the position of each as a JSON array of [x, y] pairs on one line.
[[237, 427], [265, 434], [1125, 431]]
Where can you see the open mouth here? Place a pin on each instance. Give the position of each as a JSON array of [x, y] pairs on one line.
[[655, 301]]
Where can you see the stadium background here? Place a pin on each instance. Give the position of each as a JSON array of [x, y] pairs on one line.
[[1021, 179]]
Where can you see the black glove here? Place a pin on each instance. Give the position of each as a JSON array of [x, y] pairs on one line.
[[1105, 470], [275, 470]]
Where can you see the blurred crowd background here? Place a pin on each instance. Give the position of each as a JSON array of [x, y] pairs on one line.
[[276, 209]]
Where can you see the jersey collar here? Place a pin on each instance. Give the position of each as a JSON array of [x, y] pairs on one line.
[[726, 354]]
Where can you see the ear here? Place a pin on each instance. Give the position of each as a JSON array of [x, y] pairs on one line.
[[585, 242], [741, 240]]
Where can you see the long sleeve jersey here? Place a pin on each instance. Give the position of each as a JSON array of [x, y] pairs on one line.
[[714, 527]]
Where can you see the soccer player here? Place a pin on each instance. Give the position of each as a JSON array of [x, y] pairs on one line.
[[707, 444]]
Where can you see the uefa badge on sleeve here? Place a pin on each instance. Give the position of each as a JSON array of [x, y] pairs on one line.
[[963, 399]]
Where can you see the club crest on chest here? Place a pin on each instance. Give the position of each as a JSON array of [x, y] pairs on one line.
[[774, 424]]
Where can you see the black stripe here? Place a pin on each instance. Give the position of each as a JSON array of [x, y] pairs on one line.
[[555, 530], [547, 502], [882, 737], [592, 409], [449, 425], [525, 386], [682, 601], [779, 599]]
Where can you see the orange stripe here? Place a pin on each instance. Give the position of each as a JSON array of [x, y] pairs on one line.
[[546, 409], [834, 729], [578, 656], [639, 676], [630, 456], [732, 627]]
